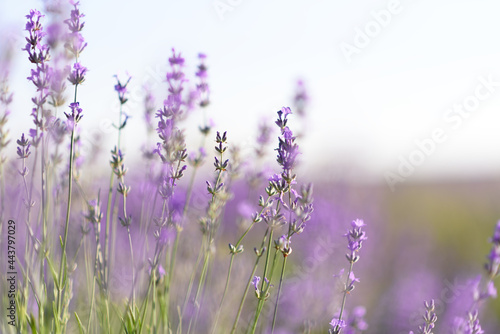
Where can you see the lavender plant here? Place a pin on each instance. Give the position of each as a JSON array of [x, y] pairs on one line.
[[355, 237]]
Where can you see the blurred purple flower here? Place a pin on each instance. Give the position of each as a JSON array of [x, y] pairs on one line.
[[355, 321], [73, 22], [23, 148], [202, 88]]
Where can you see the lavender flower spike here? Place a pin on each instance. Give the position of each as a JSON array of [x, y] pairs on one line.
[[77, 76], [493, 264], [76, 114]]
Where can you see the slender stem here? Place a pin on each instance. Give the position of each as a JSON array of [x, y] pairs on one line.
[[171, 267], [263, 293], [191, 279], [217, 315], [153, 311], [249, 283], [91, 304], [200, 287], [278, 296], [106, 235], [62, 266], [133, 267], [345, 291]]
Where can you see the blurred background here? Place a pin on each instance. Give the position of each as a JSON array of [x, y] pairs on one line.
[[400, 128]]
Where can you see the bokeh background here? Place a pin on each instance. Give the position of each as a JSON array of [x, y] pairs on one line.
[[366, 114]]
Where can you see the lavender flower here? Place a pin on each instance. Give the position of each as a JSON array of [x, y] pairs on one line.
[[263, 138], [202, 87], [196, 159], [74, 23], [58, 86], [355, 237], [300, 99], [287, 149], [493, 265], [38, 53], [23, 148], [121, 89], [77, 75], [76, 114], [355, 321], [175, 79], [76, 43], [430, 319], [337, 325], [94, 214], [470, 325], [149, 107]]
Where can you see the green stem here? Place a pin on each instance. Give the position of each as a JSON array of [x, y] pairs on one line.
[[345, 291], [263, 293], [249, 283], [278, 296], [133, 267], [191, 279], [217, 315], [106, 235], [200, 287], [62, 266]]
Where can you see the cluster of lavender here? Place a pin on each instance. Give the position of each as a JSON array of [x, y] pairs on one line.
[[164, 270]]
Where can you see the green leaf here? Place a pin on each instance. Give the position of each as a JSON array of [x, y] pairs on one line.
[[80, 326]]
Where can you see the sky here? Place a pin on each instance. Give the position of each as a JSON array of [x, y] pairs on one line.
[[399, 90]]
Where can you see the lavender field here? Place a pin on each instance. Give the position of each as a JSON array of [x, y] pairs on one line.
[[134, 206]]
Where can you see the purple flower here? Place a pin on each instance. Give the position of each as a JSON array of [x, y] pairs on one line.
[[355, 238], [358, 313], [337, 325], [37, 51], [470, 325], [77, 76], [76, 42], [121, 89], [202, 87], [76, 114], [301, 98], [176, 59], [255, 282], [287, 149], [73, 22], [493, 264], [275, 178], [23, 149], [264, 136], [163, 237], [282, 117], [496, 235], [41, 78]]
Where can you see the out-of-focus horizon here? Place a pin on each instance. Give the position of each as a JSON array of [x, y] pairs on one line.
[[403, 90]]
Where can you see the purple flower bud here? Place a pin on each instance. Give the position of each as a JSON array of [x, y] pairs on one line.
[[76, 114], [77, 76]]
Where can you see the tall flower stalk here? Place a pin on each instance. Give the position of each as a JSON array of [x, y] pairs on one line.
[[211, 222], [355, 237], [292, 210], [110, 232], [75, 45]]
